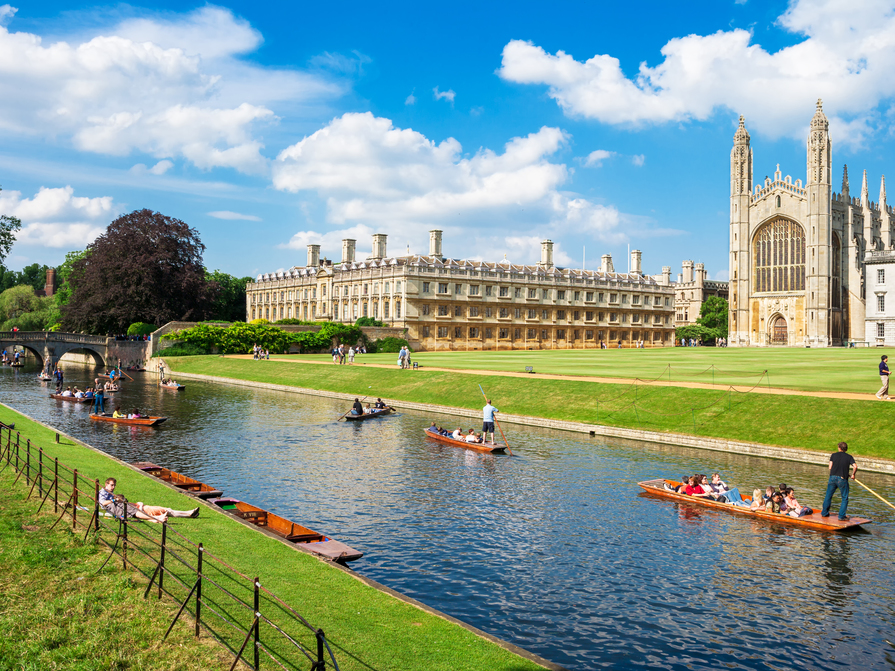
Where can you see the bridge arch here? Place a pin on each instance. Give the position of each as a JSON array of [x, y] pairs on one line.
[[61, 353], [8, 346]]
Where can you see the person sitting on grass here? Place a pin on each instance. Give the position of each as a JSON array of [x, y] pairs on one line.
[[119, 507]]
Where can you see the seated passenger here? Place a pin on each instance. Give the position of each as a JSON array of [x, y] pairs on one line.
[[67, 392], [774, 505], [379, 403], [433, 428], [78, 393], [471, 437], [707, 488], [368, 410], [793, 508], [88, 393], [758, 501], [694, 489], [117, 414], [768, 493], [457, 434]]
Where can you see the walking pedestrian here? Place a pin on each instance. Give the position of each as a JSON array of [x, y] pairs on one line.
[[883, 392], [841, 463]]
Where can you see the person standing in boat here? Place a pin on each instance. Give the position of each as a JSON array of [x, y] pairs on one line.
[[99, 400], [357, 408], [488, 421], [841, 463]]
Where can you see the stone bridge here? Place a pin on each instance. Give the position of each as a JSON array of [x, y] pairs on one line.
[[52, 346]]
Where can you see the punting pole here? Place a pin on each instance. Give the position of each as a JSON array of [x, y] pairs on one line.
[[874, 493], [498, 425]]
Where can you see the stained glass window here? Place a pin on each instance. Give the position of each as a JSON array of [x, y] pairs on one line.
[[779, 253]]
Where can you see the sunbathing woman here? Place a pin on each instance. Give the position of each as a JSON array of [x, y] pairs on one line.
[[119, 507]]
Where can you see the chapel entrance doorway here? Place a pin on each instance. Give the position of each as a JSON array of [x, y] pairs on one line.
[[779, 335]]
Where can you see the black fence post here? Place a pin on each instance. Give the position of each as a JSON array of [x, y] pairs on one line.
[[161, 563], [28, 461], [74, 502], [257, 623], [40, 472], [18, 459], [321, 660], [96, 505], [199, 589], [55, 484], [124, 536]]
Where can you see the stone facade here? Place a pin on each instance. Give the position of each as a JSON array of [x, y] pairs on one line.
[[691, 290], [797, 253], [459, 304], [879, 322]]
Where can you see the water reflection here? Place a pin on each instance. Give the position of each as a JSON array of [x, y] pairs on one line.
[[552, 549]]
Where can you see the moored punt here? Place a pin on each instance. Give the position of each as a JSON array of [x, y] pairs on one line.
[[813, 521], [478, 447], [187, 484], [369, 415], [290, 531], [71, 399], [142, 421]]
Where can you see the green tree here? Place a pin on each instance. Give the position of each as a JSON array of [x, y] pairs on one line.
[[230, 304], [713, 314], [146, 267], [697, 332], [368, 321], [20, 308], [8, 227]]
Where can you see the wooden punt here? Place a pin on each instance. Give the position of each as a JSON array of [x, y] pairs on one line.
[[143, 421], [187, 484], [43, 377], [173, 387], [376, 413], [290, 531], [71, 399], [813, 521], [478, 447]]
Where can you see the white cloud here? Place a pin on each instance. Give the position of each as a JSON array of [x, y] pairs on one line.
[[168, 87], [58, 218], [846, 57], [161, 167], [448, 95], [6, 14], [410, 100], [595, 158], [722, 276], [638, 159], [372, 174], [233, 216]]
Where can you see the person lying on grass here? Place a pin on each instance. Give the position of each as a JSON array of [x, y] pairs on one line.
[[117, 505]]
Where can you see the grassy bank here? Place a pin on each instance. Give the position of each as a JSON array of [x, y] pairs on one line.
[[57, 612], [833, 369], [366, 627], [794, 421]]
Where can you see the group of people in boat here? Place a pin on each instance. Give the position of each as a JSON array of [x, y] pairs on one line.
[[170, 382], [14, 360], [134, 414], [358, 408], [77, 393], [781, 501], [457, 434]]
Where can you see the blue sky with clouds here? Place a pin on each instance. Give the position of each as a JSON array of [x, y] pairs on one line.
[[268, 126]]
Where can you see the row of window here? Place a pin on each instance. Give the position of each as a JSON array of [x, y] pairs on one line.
[[539, 334], [444, 288], [346, 311], [311, 292], [531, 313]]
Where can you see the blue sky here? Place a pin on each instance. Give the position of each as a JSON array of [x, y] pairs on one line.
[[268, 126]]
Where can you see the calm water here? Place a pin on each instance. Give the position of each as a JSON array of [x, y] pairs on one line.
[[554, 549]]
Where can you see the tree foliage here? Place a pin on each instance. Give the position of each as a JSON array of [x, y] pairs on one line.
[[146, 267], [697, 332], [34, 276], [240, 337], [230, 304], [20, 308], [713, 314], [140, 329], [368, 321]]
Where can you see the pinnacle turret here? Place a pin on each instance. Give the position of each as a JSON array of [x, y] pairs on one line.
[[820, 119], [742, 135], [845, 182], [865, 198], [882, 194]]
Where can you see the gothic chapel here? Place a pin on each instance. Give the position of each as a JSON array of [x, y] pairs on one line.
[[797, 252]]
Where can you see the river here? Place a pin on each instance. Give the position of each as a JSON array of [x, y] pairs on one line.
[[554, 549]]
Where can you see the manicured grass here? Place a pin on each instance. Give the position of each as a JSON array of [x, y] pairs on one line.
[[57, 612], [367, 628], [793, 421], [832, 369]]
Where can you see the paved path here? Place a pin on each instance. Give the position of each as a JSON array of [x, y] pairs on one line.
[[586, 378]]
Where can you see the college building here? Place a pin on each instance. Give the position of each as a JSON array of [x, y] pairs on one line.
[[798, 253], [691, 290], [459, 304]]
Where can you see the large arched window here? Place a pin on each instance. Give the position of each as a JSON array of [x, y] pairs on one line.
[[836, 284], [779, 257]]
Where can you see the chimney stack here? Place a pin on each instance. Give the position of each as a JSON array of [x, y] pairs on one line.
[[547, 253], [688, 271], [635, 262], [435, 244], [606, 264], [379, 240], [348, 247], [699, 276], [50, 285], [313, 256], [666, 275]]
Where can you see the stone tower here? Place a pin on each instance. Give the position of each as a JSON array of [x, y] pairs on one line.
[[740, 195], [818, 234]]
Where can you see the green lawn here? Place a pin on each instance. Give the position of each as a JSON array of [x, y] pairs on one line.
[[367, 628], [791, 421], [834, 369]]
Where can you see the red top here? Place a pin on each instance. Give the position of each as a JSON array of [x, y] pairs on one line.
[[693, 491]]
